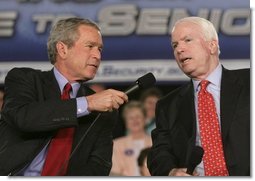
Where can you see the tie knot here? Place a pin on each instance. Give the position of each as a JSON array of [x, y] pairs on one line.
[[67, 88], [204, 84]]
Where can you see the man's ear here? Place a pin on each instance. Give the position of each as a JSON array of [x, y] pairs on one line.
[[213, 46], [61, 49]]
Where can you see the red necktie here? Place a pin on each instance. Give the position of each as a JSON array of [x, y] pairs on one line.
[[214, 161], [60, 147]]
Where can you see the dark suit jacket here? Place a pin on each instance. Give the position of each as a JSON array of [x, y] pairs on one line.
[[175, 133], [32, 113]]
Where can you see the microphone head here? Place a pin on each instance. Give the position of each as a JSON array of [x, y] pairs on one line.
[[146, 81], [196, 155]]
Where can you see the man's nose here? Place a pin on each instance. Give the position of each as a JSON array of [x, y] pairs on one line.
[[180, 48], [96, 53]]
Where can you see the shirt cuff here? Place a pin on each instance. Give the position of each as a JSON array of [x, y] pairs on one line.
[[82, 106]]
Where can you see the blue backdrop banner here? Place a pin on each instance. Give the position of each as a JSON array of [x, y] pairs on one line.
[[136, 33]]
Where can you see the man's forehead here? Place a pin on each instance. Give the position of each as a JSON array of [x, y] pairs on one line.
[[185, 29]]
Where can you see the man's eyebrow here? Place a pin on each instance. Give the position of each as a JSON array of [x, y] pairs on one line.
[[183, 38], [94, 44], [173, 42]]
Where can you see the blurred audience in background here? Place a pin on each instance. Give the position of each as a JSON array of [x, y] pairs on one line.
[[142, 162], [126, 149], [149, 99]]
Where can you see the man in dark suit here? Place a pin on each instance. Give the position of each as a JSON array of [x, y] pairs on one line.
[[178, 119], [34, 110]]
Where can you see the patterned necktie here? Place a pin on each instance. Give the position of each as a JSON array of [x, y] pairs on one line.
[[60, 147], [214, 161]]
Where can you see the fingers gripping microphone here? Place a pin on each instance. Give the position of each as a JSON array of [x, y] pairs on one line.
[[143, 82], [195, 158]]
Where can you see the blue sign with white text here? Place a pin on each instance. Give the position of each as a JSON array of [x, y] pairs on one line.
[[132, 29]]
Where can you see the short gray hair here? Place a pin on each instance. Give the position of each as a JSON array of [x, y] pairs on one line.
[[207, 27], [66, 31]]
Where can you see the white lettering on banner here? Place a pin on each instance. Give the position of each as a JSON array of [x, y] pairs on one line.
[[128, 70], [29, 1], [112, 70], [124, 20], [58, 1], [42, 20], [118, 19], [7, 22], [153, 21], [228, 19], [75, 1]]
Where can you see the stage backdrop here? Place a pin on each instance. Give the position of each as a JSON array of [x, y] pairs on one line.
[[136, 34]]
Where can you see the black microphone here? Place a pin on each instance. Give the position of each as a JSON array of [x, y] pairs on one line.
[[143, 82], [194, 159]]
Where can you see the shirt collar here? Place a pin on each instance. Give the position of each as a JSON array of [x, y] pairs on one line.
[[214, 78], [62, 81]]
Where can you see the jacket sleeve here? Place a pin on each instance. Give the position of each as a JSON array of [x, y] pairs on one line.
[[160, 160], [26, 108]]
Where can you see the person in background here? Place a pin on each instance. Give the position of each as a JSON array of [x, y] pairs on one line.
[[211, 111], [142, 162], [46, 113], [149, 100], [126, 149]]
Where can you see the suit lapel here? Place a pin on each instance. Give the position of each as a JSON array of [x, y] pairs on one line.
[[187, 112], [50, 87], [230, 90], [187, 118]]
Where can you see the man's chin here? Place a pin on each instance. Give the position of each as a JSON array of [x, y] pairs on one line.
[[91, 77], [188, 73], [85, 79]]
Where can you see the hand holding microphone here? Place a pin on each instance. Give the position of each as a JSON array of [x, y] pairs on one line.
[[112, 99], [106, 100]]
